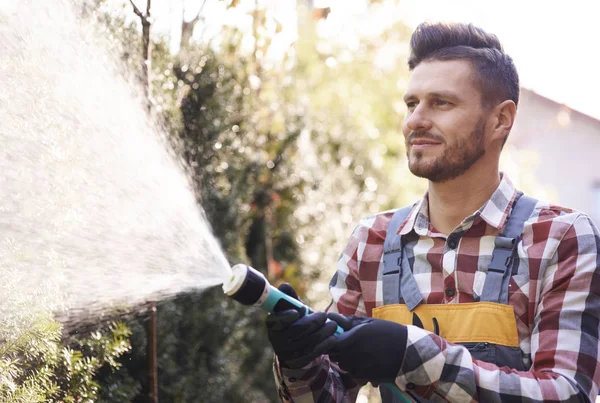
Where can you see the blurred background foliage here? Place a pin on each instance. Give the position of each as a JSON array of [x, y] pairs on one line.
[[287, 148], [286, 153]]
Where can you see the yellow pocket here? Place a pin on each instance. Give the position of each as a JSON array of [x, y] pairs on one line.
[[474, 322]]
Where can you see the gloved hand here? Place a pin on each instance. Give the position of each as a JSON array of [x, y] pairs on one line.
[[371, 349], [297, 339]]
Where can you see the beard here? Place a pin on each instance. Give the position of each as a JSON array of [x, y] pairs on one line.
[[455, 160]]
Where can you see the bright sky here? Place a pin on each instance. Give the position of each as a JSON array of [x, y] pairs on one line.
[[555, 43]]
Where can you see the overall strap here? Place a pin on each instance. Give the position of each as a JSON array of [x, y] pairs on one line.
[[398, 283], [495, 288]]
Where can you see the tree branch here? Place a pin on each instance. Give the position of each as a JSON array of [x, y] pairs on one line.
[[187, 28], [146, 48], [137, 10], [197, 17]]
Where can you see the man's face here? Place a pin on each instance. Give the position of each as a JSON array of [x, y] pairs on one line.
[[444, 128]]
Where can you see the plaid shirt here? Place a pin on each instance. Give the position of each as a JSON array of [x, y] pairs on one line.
[[555, 296]]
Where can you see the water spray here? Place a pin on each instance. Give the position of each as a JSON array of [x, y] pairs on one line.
[[248, 286]]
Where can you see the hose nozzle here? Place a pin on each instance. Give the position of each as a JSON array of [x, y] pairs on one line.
[[248, 286]]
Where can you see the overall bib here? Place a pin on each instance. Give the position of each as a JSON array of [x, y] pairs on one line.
[[487, 328]]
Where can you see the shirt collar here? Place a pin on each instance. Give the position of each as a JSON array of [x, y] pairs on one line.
[[494, 211], [418, 219]]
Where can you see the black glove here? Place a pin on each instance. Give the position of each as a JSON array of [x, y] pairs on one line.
[[297, 339], [371, 349]]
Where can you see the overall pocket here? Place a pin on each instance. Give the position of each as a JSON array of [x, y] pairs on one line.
[[502, 356]]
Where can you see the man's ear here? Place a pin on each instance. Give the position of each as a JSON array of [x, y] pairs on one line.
[[504, 119]]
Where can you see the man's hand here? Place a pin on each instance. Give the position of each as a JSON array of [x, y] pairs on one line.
[[298, 340], [371, 349]]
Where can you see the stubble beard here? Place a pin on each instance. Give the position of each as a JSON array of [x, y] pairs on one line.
[[454, 161]]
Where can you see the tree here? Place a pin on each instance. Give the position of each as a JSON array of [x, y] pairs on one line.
[[37, 366], [246, 125], [146, 21]]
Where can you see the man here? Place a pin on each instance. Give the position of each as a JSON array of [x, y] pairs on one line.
[[489, 295]]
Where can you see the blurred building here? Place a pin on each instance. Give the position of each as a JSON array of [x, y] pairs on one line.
[[568, 143]]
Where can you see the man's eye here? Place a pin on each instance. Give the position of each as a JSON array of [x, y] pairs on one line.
[[411, 105], [440, 102]]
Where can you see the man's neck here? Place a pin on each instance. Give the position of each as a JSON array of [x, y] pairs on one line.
[[452, 201]]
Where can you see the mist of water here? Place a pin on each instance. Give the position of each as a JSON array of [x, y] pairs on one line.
[[94, 211]]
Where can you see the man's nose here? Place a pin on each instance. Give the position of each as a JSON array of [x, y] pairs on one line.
[[418, 120]]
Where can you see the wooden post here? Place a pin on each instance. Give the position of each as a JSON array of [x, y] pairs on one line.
[[151, 350], [152, 355]]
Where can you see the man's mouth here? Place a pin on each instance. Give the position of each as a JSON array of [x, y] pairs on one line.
[[422, 144]]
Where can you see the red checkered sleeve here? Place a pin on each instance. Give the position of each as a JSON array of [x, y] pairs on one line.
[[356, 286], [320, 381]]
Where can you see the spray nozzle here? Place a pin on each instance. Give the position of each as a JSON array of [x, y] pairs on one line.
[[246, 285], [250, 287]]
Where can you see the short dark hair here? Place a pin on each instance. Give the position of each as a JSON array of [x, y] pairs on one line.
[[497, 74]]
